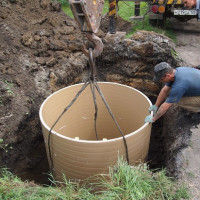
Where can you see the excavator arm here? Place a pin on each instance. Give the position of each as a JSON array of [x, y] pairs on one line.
[[87, 14]]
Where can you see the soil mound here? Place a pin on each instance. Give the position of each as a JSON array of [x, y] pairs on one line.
[[40, 51]]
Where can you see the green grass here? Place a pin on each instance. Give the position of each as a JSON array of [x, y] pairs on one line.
[[9, 87], [123, 183], [67, 10], [140, 183]]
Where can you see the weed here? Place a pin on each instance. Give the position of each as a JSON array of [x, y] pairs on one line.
[[122, 182], [31, 101], [9, 86], [191, 175], [3, 146], [139, 182], [174, 53], [182, 193]]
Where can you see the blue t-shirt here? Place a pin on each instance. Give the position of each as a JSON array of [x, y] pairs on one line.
[[198, 8], [186, 83]]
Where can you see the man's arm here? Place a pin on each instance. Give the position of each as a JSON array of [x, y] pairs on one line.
[[162, 110], [162, 95]]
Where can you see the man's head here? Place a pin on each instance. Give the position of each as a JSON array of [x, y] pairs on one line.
[[162, 70], [189, 3]]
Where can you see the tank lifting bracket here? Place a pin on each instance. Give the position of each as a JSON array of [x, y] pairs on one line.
[[87, 13]]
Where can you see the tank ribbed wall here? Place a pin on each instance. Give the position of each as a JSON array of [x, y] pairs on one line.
[[74, 147]]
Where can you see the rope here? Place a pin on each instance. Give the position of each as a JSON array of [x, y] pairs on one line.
[[93, 84], [95, 106], [110, 112], [67, 108]]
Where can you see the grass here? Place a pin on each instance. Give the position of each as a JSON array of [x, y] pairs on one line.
[[8, 87], [140, 183], [123, 183], [67, 10]]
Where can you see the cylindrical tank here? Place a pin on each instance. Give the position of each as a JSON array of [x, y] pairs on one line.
[[75, 151]]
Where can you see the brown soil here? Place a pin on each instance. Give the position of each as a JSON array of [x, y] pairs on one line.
[[188, 41], [39, 46]]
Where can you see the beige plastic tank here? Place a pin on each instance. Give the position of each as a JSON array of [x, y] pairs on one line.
[[75, 151]]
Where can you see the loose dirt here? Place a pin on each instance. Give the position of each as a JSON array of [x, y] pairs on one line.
[[188, 41]]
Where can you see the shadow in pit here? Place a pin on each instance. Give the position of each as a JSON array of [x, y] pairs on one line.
[[156, 157], [35, 167], [170, 135]]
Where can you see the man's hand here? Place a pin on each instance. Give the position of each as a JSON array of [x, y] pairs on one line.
[[149, 118], [153, 108]]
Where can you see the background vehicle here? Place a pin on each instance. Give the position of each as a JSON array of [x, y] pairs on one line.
[[160, 10]]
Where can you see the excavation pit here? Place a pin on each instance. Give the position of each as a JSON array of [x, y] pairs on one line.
[[74, 148]]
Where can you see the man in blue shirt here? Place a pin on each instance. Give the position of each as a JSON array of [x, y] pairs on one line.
[[193, 3], [180, 82]]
